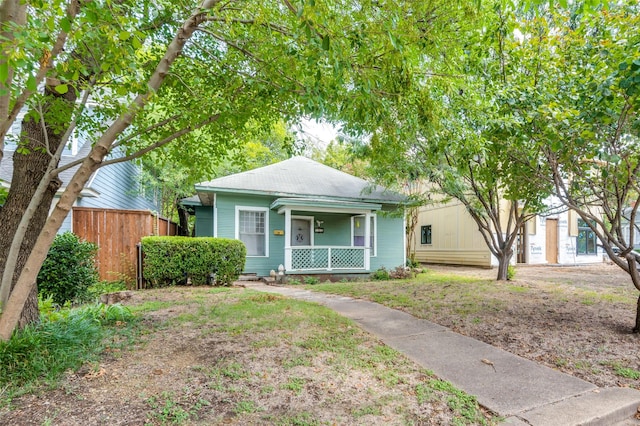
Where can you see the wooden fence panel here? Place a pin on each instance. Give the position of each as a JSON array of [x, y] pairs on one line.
[[116, 232]]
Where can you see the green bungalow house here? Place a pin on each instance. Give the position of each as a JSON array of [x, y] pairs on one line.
[[306, 216]]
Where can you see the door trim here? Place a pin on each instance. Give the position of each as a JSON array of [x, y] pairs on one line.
[[309, 219]]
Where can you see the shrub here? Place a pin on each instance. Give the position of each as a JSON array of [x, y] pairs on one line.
[[69, 269], [511, 272], [381, 274], [311, 280], [180, 260], [412, 262], [64, 339], [400, 273]]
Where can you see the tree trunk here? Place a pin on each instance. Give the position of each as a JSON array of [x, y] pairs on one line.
[[503, 265], [11, 12], [636, 329], [28, 170], [183, 216], [24, 285]]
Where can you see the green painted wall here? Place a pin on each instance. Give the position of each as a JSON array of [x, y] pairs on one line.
[[337, 232], [337, 228], [204, 221], [226, 228], [390, 243]]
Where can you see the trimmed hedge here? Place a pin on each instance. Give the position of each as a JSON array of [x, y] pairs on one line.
[[178, 260]]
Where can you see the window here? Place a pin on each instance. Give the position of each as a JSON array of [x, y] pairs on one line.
[[425, 234], [587, 241], [358, 230], [251, 229]]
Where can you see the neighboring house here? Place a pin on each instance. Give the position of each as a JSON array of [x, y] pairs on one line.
[[447, 234], [636, 229], [113, 187], [306, 216], [111, 211]]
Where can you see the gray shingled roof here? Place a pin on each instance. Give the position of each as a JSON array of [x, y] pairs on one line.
[[302, 177]]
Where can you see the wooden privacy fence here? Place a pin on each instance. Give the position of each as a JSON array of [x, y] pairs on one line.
[[116, 232]]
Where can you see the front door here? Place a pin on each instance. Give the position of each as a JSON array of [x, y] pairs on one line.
[[300, 232], [552, 241]]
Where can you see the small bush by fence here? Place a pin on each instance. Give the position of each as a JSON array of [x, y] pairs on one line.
[[69, 269], [198, 261]]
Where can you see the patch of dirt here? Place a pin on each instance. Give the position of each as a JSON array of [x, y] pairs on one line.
[[575, 319]]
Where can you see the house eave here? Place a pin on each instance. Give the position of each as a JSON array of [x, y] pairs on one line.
[[208, 189]]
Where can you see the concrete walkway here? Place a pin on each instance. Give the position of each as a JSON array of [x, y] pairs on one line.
[[519, 390]]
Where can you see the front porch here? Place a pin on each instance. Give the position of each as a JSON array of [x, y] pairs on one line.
[[326, 236]]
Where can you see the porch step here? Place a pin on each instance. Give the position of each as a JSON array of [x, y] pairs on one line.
[[249, 277], [269, 280]]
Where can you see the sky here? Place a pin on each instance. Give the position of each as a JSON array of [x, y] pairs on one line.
[[320, 133]]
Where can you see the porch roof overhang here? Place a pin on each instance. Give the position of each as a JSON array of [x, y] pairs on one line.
[[324, 205]]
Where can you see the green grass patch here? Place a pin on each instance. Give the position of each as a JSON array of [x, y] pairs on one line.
[[308, 330], [167, 409], [245, 407], [466, 406], [294, 384], [623, 371], [365, 410], [151, 306], [629, 373], [302, 419], [517, 289], [39, 354], [426, 293]]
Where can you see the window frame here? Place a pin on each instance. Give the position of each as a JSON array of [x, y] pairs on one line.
[[423, 236], [589, 235], [373, 250], [264, 210]]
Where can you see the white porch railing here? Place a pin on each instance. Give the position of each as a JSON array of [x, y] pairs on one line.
[[327, 258]]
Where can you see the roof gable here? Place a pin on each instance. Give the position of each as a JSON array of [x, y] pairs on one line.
[[301, 177]]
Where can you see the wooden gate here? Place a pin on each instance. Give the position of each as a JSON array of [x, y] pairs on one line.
[[116, 232]]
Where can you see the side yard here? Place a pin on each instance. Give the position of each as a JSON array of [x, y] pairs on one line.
[[575, 319], [234, 356]]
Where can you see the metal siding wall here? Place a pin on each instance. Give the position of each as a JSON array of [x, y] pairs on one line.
[[118, 187], [455, 236]]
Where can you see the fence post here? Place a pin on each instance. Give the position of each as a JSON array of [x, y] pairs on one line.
[[139, 274]]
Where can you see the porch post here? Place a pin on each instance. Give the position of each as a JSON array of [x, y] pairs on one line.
[[215, 215], [367, 241], [287, 239]]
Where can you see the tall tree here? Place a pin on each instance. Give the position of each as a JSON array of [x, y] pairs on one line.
[[190, 72], [589, 129], [462, 137]]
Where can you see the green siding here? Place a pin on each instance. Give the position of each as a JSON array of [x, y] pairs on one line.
[[204, 221], [390, 243], [226, 228], [337, 231]]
